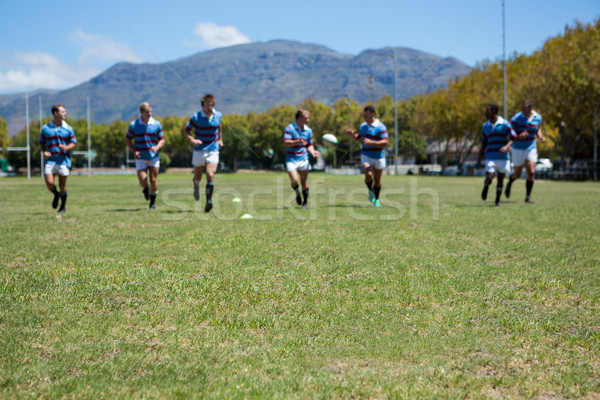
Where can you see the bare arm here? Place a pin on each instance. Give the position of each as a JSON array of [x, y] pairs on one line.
[[294, 142], [313, 152], [380, 144], [129, 142], [220, 136], [541, 136], [158, 146], [192, 139]]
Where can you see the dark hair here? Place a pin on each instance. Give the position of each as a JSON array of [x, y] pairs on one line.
[[528, 103], [56, 107], [493, 108], [300, 113], [207, 97], [370, 109]]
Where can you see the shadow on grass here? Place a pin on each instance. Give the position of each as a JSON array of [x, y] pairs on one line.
[[351, 206], [492, 205], [128, 210]]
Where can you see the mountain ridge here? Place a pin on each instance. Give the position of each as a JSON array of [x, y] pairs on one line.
[[244, 78]]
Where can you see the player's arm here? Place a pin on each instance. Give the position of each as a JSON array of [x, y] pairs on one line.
[[353, 134], [129, 142], [294, 142], [380, 144], [159, 145], [43, 148], [67, 147], [540, 136], [510, 140], [313, 152], [482, 149], [289, 141], [220, 136], [188, 134]]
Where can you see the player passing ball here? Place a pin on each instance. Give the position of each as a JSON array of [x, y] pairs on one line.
[[373, 136], [298, 141]]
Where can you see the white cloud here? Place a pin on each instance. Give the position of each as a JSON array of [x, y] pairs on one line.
[[37, 70], [102, 48], [213, 36]]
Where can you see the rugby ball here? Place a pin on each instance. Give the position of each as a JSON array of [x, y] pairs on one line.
[[328, 138]]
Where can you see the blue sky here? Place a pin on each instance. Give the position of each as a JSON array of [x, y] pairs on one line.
[[59, 44]]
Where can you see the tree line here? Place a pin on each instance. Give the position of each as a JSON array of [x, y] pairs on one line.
[[562, 78]]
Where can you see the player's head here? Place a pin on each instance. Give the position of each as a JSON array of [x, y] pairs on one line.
[[491, 110], [59, 111], [369, 113], [208, 101], [527, 106], [302, 116], [145, 111]]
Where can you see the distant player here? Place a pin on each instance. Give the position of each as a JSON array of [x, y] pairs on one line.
[[145, 138], [527, 128], [57, 139], [374, 138], [207, 141], [496, 141], [298, 141]]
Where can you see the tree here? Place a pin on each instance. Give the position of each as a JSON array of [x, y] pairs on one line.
[[265, 133], [236, 144], [4, 138]]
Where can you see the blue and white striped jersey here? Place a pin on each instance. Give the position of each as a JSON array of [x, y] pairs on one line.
[[145, 136]]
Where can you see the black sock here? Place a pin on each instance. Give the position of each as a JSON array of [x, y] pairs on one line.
[[152, 198], [376, 190], [369, 185], [498, 193], [529, 186], [56, 197], [210, 186], [305, 195], [63, 199]]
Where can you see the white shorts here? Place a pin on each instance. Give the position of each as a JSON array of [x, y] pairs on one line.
[[377, 163], [500, 166], [52, 167], [298, 165], [142, 165], [203, 157], [519, 156]]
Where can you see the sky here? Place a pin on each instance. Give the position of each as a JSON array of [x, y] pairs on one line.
[[59, 44]]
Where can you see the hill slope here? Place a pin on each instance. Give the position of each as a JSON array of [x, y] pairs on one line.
[[248, 77]]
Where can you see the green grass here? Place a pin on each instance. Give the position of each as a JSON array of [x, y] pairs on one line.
[[434, 295]]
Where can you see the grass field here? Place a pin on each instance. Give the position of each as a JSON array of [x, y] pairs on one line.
[[434, 295]]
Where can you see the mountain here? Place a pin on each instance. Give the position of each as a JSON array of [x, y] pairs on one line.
[[244, 78]]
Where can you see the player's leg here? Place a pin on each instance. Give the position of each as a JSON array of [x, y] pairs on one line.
[[143, 180], [51, 168], [489, 176], [499, 188], [304, 183], [140, 167], [293, 174], [211, 169], [49, 180], [518, 158], [368, 171], [515, 175], [198, 162], [377, 186], [530, 170], [153, 176], [62, 183]]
